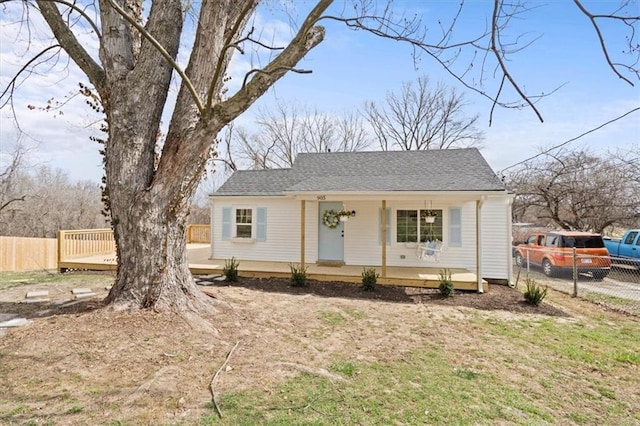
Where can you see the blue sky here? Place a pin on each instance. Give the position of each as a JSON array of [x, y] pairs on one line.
[[350, 68]]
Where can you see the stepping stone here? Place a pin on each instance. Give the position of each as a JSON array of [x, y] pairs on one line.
[[37, 294], [15, 322], [85, 295], [220, 278], [41, 300], [77, 291], [7, 317]]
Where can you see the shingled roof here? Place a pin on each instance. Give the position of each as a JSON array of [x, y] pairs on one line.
[[380, 171]]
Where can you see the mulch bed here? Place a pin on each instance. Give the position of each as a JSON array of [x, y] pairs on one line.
[[499, 297]]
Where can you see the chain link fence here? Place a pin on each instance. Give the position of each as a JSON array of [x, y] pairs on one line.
[[616, 286]]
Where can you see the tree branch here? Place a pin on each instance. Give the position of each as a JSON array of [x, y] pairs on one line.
[[503, 67], [70, 44], [261, 71], [308, 37], [212, 384], [12, 83], [603, 46], [81, 13], [228, 44], [162, 51]]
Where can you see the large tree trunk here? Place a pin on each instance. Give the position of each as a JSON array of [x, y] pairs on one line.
[[153, 270], [150, 196]]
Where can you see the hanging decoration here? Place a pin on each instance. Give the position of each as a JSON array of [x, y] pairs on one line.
[[332, 218]]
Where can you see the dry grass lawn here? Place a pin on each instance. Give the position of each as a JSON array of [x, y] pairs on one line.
[[306, 357]]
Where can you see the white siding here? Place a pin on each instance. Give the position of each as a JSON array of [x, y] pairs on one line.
[[496, 239], [283, 231], [361, 236], [362, 242]]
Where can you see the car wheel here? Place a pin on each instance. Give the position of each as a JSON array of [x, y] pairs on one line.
[[599, 275], [519, 259], [548, 268]]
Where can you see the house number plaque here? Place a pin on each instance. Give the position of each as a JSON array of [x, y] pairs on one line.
[[322, 197]]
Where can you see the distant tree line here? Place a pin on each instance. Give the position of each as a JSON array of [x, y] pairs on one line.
[[418, 117], [39, 201], [576, 190]]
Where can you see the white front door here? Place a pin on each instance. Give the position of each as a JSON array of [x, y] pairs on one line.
[[330, 240]]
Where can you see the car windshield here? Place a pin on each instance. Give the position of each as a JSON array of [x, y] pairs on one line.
[[592, 241]]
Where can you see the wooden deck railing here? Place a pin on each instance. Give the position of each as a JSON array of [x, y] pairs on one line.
[[96, 242], [198, 233], [84, 243]]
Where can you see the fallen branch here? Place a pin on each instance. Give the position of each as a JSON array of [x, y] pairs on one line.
[[212, 384], [312, 370]]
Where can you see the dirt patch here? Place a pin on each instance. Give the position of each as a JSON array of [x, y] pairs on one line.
[[499, 297], [78, 364]]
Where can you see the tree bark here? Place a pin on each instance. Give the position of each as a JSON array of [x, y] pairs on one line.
[[150, 200]]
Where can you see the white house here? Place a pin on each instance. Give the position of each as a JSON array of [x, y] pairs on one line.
[[294, 215]]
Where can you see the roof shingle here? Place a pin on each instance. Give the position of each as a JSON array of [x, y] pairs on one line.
[[379, 171]]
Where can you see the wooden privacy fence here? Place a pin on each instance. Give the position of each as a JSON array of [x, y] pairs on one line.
[[198, 233], [28, 254]]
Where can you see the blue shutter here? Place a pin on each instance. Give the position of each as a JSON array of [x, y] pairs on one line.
[[261, 224], [226, 223], [380, 226], [455, 227]]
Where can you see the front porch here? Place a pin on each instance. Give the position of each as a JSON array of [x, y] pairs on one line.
[[425, 277], [92, 256]]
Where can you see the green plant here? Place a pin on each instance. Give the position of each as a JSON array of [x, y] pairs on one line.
[[369, 279], [535, 294], [230, 269], [298, 275], [446, 284]]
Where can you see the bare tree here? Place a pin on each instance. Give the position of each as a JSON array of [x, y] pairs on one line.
[[286, 130], [132, 71], [574, 190], [421, 118], [50, 201], [10, 192]]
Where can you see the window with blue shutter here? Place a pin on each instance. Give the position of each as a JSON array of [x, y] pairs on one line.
[[261, 224], [226, 223], [455, 227]]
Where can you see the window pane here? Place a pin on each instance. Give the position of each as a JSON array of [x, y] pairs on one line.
[[406, 226], [243, 231], [431, 231], [243, 223], [243, 215]]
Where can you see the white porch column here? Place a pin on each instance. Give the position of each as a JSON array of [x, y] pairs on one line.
[[211, 221], [302, 232], [510, 239], [479, 204], [383, 237]]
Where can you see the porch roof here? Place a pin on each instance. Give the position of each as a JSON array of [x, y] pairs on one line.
[[386, 171]]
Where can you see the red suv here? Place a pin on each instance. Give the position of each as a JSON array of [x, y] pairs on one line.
[[553, 251]]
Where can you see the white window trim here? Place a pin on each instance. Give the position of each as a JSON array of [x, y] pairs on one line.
[[394, 225], [234, 227]]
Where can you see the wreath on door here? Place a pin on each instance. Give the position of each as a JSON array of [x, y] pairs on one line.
[[330, 219]]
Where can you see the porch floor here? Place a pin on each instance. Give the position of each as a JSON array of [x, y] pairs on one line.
[[200, 264]]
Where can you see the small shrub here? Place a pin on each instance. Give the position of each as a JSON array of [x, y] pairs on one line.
[[535, 294], [369, 279], [446, 284], [230, 269], [298, 275]]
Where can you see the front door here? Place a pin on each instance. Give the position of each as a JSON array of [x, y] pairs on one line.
[[330, 240]]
